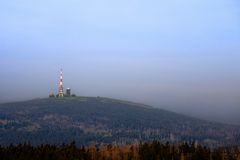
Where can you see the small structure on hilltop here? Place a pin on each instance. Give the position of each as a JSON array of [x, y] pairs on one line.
[[60, 93], [68, 92]]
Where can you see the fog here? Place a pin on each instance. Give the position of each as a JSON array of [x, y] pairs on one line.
[[182, 56]]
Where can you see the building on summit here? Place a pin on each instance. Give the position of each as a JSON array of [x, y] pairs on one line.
[[61, 94], [68, 92]]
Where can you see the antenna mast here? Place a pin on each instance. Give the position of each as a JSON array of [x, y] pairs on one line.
[[61, 84]]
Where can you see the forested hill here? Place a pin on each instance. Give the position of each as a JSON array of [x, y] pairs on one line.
[[97, 120]]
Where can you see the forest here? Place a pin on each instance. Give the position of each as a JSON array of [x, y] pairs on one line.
[[98, 120], [154, 150]]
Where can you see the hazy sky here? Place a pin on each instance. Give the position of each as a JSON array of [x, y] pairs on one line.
[[182, 55]]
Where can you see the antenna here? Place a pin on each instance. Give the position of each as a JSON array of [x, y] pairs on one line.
[[61, 84]]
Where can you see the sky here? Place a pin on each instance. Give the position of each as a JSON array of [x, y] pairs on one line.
[[180, 55]]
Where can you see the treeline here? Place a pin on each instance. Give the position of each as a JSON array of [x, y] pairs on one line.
[[143, 151]]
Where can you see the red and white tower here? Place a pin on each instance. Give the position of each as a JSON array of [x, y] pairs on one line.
[[61, 84]]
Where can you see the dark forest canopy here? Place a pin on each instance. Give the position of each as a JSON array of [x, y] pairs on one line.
[[143, 151]]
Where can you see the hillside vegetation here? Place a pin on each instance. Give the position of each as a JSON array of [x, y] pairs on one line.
[[96, 120]]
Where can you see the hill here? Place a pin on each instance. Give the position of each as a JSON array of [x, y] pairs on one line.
[[103, 120]]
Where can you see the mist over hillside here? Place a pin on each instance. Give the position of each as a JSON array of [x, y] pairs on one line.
[[100, 120], [182, 55]]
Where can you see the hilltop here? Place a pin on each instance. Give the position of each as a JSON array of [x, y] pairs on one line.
[[98, 120]]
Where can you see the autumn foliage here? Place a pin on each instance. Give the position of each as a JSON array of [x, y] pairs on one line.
[[143, 151]]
